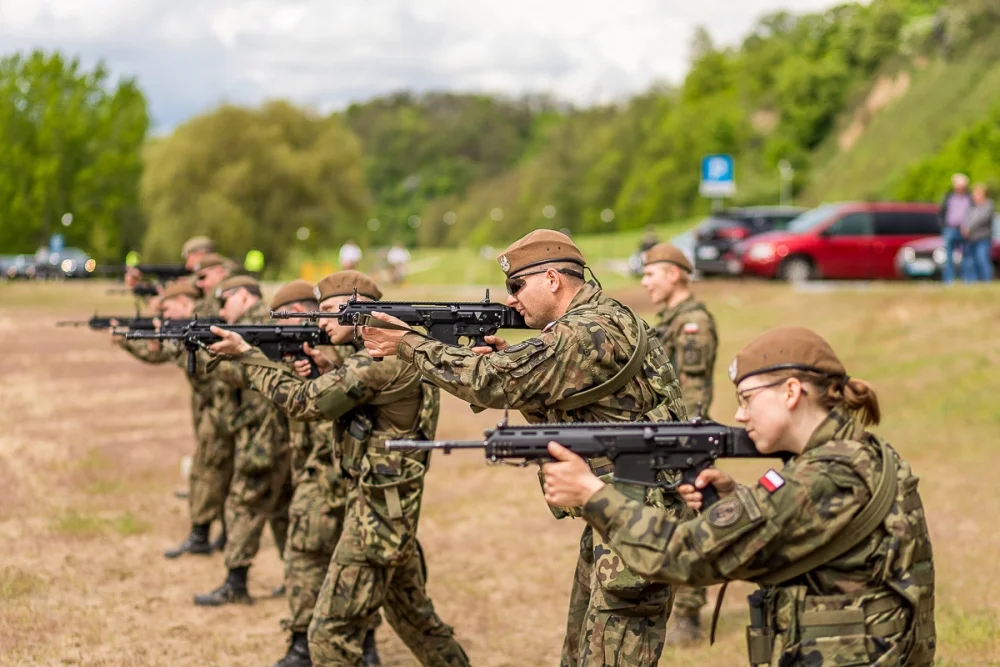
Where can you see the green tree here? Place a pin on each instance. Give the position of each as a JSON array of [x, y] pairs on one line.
[[251, 179], [72, 144]]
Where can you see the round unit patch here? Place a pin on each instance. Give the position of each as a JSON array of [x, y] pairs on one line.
[[726, 512]]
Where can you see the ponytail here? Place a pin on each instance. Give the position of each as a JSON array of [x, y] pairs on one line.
[[857, 396]]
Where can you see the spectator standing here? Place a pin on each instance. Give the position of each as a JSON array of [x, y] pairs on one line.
[[954, 209], [398, 257], [977, 230], [350, 256]]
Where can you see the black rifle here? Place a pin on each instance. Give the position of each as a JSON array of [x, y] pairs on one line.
[[140, 290], [97, 323], [641, 451], [160, 272], [448, 322], [276, 341]]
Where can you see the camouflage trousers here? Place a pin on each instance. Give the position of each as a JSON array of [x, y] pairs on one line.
[[211, 470], [612, 628], [689, 600], [253, 502], [314, 531], [352, 594]]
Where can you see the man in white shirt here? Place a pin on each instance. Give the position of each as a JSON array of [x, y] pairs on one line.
[[350, 256]]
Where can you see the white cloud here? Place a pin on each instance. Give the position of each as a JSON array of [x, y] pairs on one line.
[[190, 55]]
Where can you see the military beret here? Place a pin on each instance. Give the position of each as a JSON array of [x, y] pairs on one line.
[[667, 253], [196, 243], [213, 259], [784, 348], [297, 290], [344, 283], [180, 288], [542, 246], [232, 282]]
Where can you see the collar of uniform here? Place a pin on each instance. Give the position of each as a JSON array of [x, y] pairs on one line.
[[256, 314], [587, 294], [838, 425], [668, 314]]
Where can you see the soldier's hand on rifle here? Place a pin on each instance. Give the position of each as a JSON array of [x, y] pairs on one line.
[[723, 483], [569, 481], [498, 345], [133, 277], [302, 366], [116, 336], [383, 342], [231, 343]]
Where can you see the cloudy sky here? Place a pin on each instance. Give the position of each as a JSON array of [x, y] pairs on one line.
[[192, 54]]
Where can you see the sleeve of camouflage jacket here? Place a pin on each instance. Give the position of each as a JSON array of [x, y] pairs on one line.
[[524, 375], [330, 395], [141, 350], [741, 536], [695, 360]]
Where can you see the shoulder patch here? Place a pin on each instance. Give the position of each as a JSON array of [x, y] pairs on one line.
[[691, 328], [772, 480], [726, 512], [549, 327]]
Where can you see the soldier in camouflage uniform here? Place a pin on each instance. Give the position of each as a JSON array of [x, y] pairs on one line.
[[378, 563], [687, 331], [261, 488], [837, 540], [316, 513], [594, 361]]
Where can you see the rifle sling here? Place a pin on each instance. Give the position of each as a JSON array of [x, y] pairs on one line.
[[627, 372]]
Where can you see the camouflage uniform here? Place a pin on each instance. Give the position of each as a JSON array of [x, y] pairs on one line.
[[687, 332], [872, 605], [261, 489], [377, 562], [615, 618]]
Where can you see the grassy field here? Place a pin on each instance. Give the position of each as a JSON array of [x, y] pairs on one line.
[[90, 445]]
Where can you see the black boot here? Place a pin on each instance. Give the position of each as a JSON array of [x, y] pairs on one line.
[[370, 650], [298, 653], [196, 543], [220, 542], [233, 591]]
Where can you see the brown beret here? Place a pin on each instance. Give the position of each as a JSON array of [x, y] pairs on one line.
[[344, 283], [786, 348], [667, 253], [213, 259], [180, 288], [297, 290], [542, 246], [195, 244], [232, 282]]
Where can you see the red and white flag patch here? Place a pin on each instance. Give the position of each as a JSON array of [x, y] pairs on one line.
[[691, 328], [772, 481]]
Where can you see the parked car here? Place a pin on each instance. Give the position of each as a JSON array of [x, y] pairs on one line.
[[716, 235], [22, 266], [684, 242], [924, 257], [72, 263], [852, 240]]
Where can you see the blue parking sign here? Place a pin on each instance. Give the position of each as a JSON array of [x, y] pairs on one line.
[[718, 176]]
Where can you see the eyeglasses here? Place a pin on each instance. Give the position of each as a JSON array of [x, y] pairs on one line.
[[515, 285], [743, 397]]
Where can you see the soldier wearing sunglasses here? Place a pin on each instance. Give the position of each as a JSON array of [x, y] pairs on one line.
[[593, 361]]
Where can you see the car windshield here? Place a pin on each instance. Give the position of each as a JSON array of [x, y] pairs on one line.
[[808, 220]]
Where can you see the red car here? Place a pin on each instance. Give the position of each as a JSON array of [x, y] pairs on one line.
[[854, 240]]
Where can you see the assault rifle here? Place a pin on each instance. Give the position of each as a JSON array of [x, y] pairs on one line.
[[446, 321], [97, 323], [140, 290], [276, 341], [639, 450]]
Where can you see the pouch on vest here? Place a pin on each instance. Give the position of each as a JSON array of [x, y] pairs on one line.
[[353, 441], [390, 491]]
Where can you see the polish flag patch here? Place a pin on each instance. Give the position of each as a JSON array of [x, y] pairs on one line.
[[691, 328], [772, 481]]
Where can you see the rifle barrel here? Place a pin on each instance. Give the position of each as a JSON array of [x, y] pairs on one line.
[[424, 445]]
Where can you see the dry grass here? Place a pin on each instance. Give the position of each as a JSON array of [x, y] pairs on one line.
[[90, 442]]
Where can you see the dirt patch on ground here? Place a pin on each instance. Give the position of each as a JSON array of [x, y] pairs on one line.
[[91, 440], [885, 91]]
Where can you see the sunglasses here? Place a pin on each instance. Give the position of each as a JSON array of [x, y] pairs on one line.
[[223, 298], [515, 285]]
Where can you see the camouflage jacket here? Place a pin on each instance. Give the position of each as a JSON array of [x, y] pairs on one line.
[[884, 583], [582, 349], [688, 334]]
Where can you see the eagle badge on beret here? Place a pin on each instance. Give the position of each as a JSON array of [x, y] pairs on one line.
[[316, 292], [504, 263], [732, 370]]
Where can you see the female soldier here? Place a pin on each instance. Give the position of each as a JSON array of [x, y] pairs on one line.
[[837, 540]]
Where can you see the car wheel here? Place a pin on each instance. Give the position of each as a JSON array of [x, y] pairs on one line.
[[796, 270]]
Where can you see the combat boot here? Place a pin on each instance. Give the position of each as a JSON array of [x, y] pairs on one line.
[[196, 543], [684, 631], [370, 651], [220, 542], [232, 591], [298, 652]]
